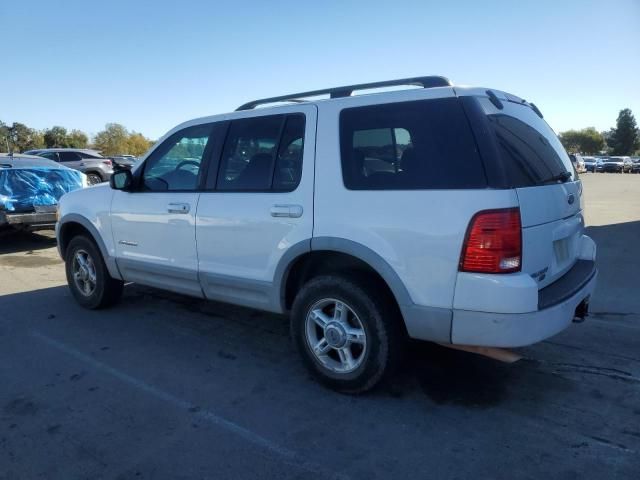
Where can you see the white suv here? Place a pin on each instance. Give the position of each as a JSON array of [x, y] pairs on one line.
[[438, 213]]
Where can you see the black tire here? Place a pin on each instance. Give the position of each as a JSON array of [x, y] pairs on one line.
[[93, 178], [107, 291], [380, 320]]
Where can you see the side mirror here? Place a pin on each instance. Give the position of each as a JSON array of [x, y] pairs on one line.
[[121, 180]]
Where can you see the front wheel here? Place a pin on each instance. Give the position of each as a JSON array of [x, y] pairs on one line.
[[348, 337], [88, 277]]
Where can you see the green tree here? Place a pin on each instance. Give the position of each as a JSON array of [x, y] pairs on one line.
[[624, 139], [5, 137], [56, 137], [18, 137], [77, 139], [137, 144], [112, 140], [587, 141]]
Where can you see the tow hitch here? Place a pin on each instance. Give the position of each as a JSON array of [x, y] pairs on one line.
[[582, 311]]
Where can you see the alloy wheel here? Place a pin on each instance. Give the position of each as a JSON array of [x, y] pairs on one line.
[[84, 272], [335, 335]]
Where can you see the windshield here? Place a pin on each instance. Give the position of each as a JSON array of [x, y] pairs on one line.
[[530, 150]]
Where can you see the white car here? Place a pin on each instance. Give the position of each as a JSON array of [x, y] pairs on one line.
[[438, 213], [578, 162]]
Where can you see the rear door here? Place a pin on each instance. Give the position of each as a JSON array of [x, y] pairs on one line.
[[258, 205], [551, 210]]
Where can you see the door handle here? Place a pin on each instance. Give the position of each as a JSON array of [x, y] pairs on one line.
[[290, 211], [179, 208]]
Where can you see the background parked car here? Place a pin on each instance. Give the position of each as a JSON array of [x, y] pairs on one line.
[[627, 164], [592, 164], [30, 188], [578, 162], [617, 164], [90, 162], [635, 164]]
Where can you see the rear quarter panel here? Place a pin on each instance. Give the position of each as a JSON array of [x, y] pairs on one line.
[[419, 233]]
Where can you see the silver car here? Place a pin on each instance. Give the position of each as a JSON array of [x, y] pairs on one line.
[[90, 162]]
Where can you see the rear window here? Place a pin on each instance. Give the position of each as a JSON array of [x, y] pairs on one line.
[[530, 151], [90, 155], [425, 144]]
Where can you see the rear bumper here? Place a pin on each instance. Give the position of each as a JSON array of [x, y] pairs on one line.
[[31, 221], [557, 307]]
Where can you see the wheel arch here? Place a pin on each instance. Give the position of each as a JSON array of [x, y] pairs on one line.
[[73, 224], [327, 254]]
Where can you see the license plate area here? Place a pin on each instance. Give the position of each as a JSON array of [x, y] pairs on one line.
[[561, 251]]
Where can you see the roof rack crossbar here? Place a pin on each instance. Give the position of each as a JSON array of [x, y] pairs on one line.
[[346, 91]]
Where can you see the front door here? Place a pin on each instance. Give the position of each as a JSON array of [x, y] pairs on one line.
[[258, 205], [154, 225]]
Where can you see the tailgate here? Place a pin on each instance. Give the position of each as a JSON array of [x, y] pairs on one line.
[[552, 224]]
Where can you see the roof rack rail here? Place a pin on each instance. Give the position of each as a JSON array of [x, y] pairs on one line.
[[339, 92]]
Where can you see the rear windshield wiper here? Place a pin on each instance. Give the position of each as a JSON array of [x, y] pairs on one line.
[[562, 177]]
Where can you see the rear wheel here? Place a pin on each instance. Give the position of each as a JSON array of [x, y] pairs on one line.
[[93, 178], [348, 337], [87, 275]]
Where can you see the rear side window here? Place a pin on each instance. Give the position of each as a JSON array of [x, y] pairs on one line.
[[69, 156], [89, 155], [530, 151], [288, 170], [425, 144], [263, 154]]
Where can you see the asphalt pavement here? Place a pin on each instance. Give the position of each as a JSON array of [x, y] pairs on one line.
[[167, 387]]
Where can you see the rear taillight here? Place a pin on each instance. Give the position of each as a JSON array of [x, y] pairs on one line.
[[108, 162], [493, 243]]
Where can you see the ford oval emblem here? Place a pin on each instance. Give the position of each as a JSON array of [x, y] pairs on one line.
[[571, 198]]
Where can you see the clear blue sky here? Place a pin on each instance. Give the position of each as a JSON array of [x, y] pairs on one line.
[[152, 64]]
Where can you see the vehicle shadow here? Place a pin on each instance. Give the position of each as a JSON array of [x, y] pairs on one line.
[[618, 261], [15, 242], [444, 376]]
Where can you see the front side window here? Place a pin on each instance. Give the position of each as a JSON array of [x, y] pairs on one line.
[[51, 156], [425, 144], [262, 154], [176, 164]]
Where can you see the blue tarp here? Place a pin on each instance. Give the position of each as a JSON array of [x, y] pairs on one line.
[[21, 189]]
